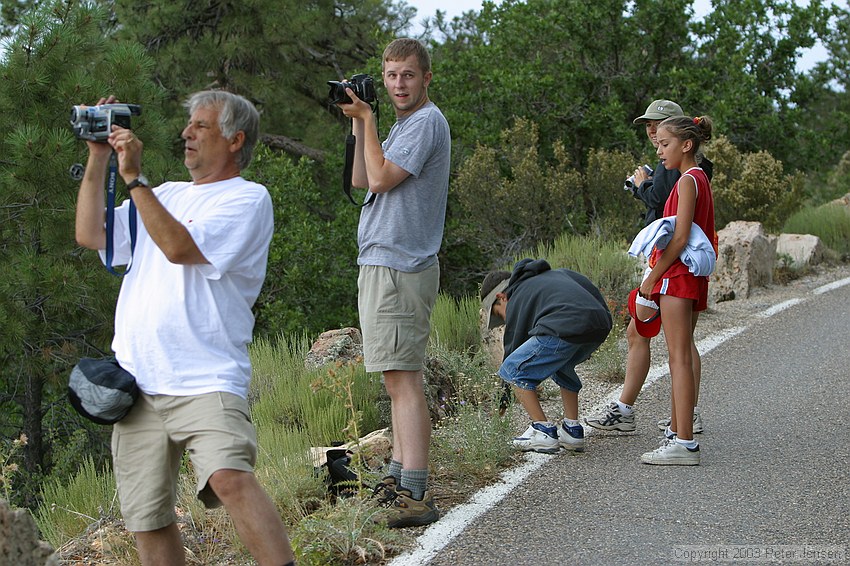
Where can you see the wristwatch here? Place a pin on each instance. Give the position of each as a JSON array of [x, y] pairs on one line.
[[138, 181]]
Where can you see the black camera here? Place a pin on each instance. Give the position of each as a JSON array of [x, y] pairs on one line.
[[94, 123], [362, 85]]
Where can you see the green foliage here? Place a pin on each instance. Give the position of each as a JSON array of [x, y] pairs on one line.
[[278, 53], [454, 323], [56, 303], [829, 222], [71, 506], [582, 70], [614, 213], [838, 180], [311, 279], [290, 396], [602, 261], [344, 534], [472, 446], [511, 199], [751, 186]]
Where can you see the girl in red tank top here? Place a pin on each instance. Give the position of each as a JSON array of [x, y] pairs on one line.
[[679, 294]]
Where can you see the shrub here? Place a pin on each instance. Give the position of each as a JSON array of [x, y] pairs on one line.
[[511, 199], [751, 186], [69, 507], [615, 214]]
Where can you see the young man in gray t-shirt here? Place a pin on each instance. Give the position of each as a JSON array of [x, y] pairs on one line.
[[399, 236]]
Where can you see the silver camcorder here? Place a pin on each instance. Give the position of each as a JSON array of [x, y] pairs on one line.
[[94, 123], [630, 182]]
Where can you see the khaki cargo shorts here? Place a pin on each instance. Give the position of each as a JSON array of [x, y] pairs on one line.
[[395, 312], [148, 446]]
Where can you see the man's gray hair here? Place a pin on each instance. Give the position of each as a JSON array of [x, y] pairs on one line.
[[235, 113]]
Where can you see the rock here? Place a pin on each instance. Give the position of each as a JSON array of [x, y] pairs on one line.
[[19, 543], [344, 346], [803, 249], [745, 260], [492, 341], [842, 201]]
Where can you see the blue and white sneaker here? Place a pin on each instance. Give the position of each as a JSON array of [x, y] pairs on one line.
[[538, 438], [571, 437]]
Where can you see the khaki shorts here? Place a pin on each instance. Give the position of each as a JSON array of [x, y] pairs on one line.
[[148, 446], [395, 311]]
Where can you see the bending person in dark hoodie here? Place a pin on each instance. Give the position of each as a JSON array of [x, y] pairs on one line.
[[554, 320]]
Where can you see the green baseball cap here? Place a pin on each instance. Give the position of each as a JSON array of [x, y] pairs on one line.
[[659, 110]]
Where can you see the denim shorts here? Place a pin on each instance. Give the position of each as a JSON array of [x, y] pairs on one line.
[[541, 357]]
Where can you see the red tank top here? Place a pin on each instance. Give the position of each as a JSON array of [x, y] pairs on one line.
[[703, 216]]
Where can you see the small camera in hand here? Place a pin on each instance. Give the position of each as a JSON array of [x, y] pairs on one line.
[[362, 85], [94, 123], [630, 182]]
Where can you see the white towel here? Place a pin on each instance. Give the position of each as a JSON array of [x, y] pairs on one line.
[[698, 254]]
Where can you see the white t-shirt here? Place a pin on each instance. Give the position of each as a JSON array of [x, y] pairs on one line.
[[185, 329]]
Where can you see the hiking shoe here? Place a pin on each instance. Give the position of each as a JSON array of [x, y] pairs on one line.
[[571, 437], [404, 511], [612, 419], [385, 490], [664, 423], [672, 453], [538, 438]]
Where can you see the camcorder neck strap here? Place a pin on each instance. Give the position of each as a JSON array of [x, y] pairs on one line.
[[350, 143], [110, 219]]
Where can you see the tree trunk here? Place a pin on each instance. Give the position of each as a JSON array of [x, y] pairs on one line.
[[33, 413]]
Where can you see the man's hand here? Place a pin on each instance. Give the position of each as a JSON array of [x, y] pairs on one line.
[[129, 150], [357, 108]]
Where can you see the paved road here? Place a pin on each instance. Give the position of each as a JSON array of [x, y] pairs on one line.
[[774, 476]]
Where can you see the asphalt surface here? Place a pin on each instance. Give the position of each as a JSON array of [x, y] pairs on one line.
[[772, 486]]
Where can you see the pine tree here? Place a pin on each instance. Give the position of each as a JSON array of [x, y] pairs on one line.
[[56, 300]]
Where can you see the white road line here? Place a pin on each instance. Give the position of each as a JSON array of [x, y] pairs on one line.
[[832, 286], [441, 533]]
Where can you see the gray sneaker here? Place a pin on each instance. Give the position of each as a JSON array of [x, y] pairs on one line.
[[612, 419], [664, 423], [672, 453]]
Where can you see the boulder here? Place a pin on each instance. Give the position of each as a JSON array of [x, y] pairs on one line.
[[745, 260], [492, 341], [19, 543], [343, 345], [802, 249]]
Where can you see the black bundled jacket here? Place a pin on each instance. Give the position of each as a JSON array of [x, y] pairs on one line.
[[553, 302]]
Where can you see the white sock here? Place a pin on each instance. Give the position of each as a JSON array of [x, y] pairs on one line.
[[545, 423], [571, 422], [687, 443], [669, 433], [625, 410]]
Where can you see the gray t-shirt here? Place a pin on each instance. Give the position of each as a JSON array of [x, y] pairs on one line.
[[403, 228]]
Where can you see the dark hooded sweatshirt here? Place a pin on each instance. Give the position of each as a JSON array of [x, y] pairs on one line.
[[553, 302]]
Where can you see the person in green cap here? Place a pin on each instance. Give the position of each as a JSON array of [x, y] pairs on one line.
[[652, 188]]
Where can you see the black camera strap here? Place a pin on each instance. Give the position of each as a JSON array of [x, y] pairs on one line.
[[110, 219], [350, 143]]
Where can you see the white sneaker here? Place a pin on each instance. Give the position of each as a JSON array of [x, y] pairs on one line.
[[672, 453], [664, 423], [538, 438], [571, 437]]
